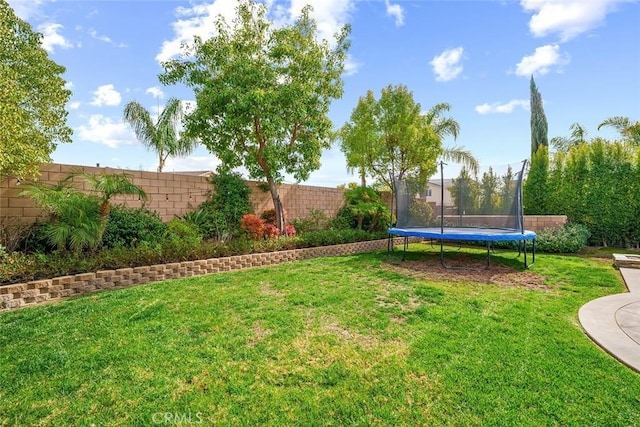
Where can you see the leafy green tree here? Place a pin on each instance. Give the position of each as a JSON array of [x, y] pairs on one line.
[[578, 136], [400, 143], [489, 192], [630, 131], [465, 193], [539, 126], [535, 188], [263, 94], [507, 189], [33, 97], [161, 136], [359, 134]]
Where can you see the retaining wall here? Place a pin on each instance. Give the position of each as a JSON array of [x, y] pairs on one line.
[[40, 291]]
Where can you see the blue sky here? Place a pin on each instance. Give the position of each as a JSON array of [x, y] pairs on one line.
[[475, 55]]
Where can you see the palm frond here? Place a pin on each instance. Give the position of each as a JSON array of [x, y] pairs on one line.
[[140, 121], [459, 154]]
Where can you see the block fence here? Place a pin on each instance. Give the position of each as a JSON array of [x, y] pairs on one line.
[[531, 222], [40, 291], [169, 194]]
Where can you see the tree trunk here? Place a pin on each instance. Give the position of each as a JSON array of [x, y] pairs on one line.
[[277, 204]]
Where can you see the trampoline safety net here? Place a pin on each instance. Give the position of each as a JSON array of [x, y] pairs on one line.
[[491, 198]]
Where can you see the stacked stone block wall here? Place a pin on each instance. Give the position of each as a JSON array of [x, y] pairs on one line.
[[40, 291]]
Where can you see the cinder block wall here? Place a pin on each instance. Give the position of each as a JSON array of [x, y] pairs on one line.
[[169, 194]]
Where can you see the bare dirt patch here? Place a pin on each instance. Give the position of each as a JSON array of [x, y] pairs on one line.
[[497, 274]]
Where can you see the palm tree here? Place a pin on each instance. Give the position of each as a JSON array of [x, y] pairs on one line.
[[74, 220], [107, 186], [162, 136], [630, 131], [447, 126], [578, 136]]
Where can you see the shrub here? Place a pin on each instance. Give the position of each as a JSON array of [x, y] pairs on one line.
[[289, 230], [365, 210], [231, 199], [421, 212], [569, 239], [12, 232], [317, 220], [252, 226], [209, 223], [271, 231], [178, 229], [131, 227]]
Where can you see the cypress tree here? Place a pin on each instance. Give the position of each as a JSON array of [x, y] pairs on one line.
[[539, 126]]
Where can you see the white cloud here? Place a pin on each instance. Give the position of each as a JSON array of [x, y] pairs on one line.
[[198, 20], [568, 18], [541, 61], [330, 15], [106, 95], [395, 11], [351, 66], [447, 66], [51, 38], [74, 105], [104, 130], [505, 108], [94, 35], [155, 91], [26, 9]]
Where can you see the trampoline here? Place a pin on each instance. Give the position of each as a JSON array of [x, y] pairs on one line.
[[469, 219]]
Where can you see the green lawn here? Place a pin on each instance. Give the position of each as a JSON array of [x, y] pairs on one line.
[[332, 341]]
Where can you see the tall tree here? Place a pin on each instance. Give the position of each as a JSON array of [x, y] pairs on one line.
[[33, 97], [535, 188], [539, 126], [162, 135], [263, 94], [358, 134], [390, 138], [628, 130]]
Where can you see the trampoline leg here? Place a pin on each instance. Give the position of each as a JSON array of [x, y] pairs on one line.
[[442, 255], [404, 252], [488, 255]]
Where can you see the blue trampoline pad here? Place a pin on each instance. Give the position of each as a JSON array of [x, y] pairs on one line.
[[464, 233]]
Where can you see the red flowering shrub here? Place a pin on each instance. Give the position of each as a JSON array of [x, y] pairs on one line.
[[289, 230], [253, 226], [271, 231]]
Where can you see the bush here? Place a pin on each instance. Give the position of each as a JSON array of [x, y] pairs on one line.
[[209, 223], [271, 231], [178, 229], [289, 230], [231, 200], [252, 226], [131, 227], [317, 220], [569, 239]]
